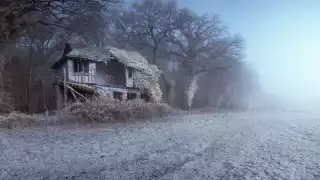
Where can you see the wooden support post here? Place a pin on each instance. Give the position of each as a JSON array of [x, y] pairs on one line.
[[65, 87]]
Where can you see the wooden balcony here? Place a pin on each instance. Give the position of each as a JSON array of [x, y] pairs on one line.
[[83, 77]]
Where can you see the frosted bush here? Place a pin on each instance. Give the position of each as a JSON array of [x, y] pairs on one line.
[[99, 110], [149, 81], [18, 120], [191, 90]]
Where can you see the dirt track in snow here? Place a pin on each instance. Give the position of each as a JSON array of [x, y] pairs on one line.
[[207, 146]]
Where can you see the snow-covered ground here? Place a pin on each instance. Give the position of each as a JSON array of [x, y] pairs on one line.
[[199, 146]]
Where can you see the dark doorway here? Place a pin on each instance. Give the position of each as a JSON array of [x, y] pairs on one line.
[[146, 97], [117, 95]]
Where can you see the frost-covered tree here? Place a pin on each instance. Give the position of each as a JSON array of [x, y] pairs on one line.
[[144, 26], [163, 33], [201, 44], [148, 22]]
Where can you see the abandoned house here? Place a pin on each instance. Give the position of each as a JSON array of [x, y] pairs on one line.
[[83, 71]]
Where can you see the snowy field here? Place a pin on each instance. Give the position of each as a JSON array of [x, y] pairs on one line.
[[208, 146]]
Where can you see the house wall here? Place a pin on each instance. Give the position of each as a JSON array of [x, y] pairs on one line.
[[98, 74], [59, 72], [81, 77], [114, 69], [117, 70], [70, 70], [129, 81], [124, 92], [101, 72]]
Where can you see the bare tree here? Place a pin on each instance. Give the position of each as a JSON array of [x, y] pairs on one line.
[[145, 27], [149, 21], [16, 14], [16, 18], [163, 32], [29, 54], [201, 44]]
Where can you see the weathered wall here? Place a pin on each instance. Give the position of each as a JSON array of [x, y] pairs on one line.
[[129, 80], [59, 72], [98, 72], [101, 78], [116, 69], [81, 77]]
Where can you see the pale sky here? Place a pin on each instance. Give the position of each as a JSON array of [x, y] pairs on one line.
[[282, 40]]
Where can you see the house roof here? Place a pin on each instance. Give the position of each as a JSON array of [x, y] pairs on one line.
[[56, 58], [105, 54], [98, 54], [130, 58]]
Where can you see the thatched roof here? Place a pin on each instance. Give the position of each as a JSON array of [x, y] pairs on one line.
[[93, 53], [105, 54]]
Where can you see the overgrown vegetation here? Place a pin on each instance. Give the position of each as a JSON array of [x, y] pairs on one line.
[[18, 120], [110, 110], [95, 110]]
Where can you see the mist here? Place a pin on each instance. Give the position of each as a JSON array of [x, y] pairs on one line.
[[281, 44], [159, 89]]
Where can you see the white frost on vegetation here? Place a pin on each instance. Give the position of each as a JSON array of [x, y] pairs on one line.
[[132, 59], [103, 91], [191, 89], [149, 82]]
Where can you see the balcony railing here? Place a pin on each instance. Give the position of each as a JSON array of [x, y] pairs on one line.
[[83, 77]]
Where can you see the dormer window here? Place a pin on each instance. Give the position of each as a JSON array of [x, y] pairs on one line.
[[80, 66]]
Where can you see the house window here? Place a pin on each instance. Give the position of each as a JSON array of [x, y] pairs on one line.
[[80, 66], [131, 96], [130, 72], [111, 78], [86, 66], [117, 95]]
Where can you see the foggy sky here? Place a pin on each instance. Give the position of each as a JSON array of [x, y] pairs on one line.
[[282, 41]]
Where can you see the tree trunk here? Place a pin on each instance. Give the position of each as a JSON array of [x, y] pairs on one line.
[[190, 90], [166, 84], [29, 78], [167, 89], [154, 55]]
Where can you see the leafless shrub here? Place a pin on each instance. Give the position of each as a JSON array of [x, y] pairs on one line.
[[18, 120], [110, 110]]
